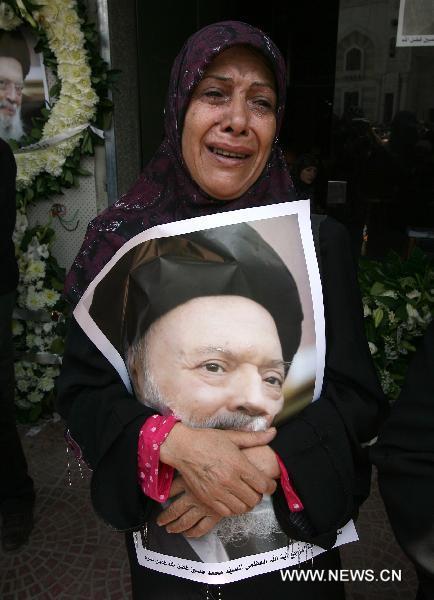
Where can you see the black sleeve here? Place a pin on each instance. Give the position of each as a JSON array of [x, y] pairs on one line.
[[8, 263], [105, 421], [404, 456], [8, 170], [323, 447]]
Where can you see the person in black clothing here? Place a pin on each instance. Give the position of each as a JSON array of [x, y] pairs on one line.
[[404, 456], [223, 116], [16, 487], [304, 173]]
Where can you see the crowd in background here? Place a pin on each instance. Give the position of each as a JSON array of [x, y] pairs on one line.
[[389, 175]]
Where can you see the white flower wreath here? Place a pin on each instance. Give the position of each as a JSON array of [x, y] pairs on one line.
[[39, 322], [76, 105]]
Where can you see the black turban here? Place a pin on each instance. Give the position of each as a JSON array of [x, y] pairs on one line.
[[157, 276], [13, 45]]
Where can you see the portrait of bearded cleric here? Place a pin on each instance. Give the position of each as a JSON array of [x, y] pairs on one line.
[[209, 325], [22, 84]]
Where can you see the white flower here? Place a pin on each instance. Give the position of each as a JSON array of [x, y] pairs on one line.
[[17, 328], [51, 372], [413, 295], [390, 294], [35, 270], [47, 327], [35, 397], [77, 99], [19, 370], [23, 403], [35, 300], [366, 310], [39, 342], [30, 340], [51, 297], [22, 385], [372, 347], [46, 384], [413, 315]]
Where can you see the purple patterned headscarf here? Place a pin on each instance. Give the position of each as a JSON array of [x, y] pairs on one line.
[[165, 192]]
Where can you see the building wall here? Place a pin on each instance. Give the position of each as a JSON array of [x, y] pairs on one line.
[[407, 73]]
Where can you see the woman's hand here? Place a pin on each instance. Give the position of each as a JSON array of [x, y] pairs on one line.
[[264, 459], [215, 470], [186, 515]]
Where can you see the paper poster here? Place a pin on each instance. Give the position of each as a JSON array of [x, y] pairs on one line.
[[415, 23], [219, 320]]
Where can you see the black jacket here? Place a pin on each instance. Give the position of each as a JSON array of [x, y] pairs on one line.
[[404, 455], [8, 263], [321, 447]]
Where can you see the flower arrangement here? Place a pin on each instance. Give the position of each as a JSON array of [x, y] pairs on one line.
[[39, 324], [398, 304], [77, 99], [38, 339], [48, 159]]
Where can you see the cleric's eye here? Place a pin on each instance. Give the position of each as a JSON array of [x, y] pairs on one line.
[[213, 367], [274, 381]]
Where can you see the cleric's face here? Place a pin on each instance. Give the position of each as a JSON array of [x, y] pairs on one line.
[[215, 356], [11, 87]]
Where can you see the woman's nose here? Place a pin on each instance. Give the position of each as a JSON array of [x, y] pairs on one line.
[[236, 117]]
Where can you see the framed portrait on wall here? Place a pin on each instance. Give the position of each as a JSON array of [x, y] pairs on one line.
[[23, 83]]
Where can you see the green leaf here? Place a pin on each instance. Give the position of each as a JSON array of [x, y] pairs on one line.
[[83, 172], [68, 176], [378, 315], [57, 346], [408, 282], [377, 289], [408, 346], [35, 413], [56, 284]]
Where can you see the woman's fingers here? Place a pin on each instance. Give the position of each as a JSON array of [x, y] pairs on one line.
[[202, 527], [185, 513], [185, 521], [180, 506], [215, 470], [177, 487]]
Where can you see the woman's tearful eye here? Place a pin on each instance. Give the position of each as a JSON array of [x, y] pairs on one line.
[[215, 95], [264, 104]]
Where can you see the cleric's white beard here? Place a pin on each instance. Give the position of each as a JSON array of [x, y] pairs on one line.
[[260, 522], [235, 530], [11, 128]]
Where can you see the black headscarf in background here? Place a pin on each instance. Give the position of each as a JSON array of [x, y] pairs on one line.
[[156, 276], [302, 189], [165, 191]]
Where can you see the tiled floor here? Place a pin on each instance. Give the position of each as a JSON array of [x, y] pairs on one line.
[[72, 556]]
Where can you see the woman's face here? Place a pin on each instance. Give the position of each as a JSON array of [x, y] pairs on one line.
[[308, 175], [230, 124]]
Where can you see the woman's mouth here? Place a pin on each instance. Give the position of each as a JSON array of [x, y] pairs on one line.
[[228, 153]]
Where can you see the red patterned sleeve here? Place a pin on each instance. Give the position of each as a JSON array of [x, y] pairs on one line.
[[294, 502], [155, 477]]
